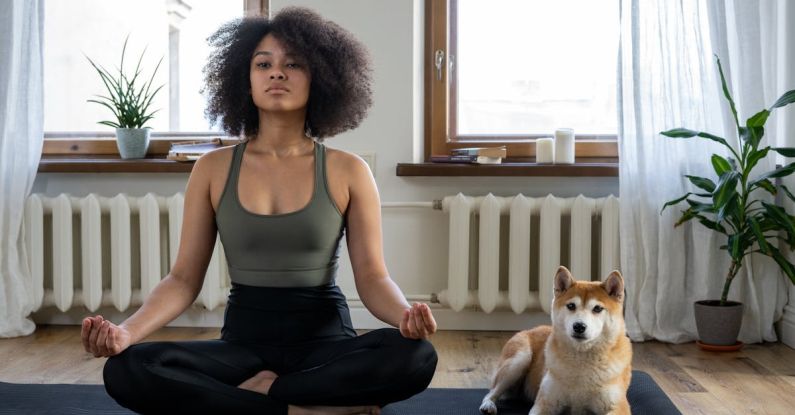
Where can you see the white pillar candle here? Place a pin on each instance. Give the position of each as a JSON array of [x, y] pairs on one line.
[[545, 150], [564, 146]]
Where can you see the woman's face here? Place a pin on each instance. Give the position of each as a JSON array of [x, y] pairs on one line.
[[279, 80]]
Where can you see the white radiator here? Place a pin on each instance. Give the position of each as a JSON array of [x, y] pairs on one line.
[[133, 258], [550, 211]]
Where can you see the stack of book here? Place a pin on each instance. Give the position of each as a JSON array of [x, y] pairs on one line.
[[192, 150], [474, 155]]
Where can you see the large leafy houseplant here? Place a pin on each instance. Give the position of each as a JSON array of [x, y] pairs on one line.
[[129, 98], [731, 206]]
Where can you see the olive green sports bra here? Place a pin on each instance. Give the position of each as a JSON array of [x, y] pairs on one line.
[[294, 249]]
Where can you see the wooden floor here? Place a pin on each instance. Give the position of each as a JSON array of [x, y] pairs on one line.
[[759, 379]]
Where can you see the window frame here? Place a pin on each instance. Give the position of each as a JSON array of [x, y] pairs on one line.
[[57, 143], [440, 94]]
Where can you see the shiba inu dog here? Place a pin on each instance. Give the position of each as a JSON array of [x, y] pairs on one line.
[[580, 365]]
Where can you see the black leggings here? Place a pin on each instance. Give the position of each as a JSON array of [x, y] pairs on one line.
[[328, 365]]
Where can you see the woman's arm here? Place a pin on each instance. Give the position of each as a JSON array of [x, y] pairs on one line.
[[177, 291], [378, 292]]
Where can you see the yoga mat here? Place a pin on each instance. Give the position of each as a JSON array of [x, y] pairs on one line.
[[645, 397]]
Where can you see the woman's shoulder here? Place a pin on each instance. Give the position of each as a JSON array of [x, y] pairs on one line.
[[345, 162], [215, 159]]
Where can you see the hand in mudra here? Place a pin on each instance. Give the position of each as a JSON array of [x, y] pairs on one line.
[[418, 322], [103, 338]]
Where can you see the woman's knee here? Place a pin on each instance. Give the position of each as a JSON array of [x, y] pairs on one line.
[[415, 358], [424, 362], [124, 375]]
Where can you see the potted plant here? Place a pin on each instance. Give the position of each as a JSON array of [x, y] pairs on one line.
[[730, 207], [129, 100]]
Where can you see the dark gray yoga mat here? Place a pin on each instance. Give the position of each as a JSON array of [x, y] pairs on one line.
[[645, 397]]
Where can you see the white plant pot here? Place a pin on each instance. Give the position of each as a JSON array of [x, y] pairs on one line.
[[132, 142]]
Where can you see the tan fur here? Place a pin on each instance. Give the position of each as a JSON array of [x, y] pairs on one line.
[[560, 372]]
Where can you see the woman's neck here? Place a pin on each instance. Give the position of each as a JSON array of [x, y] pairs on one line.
[[281, 135]]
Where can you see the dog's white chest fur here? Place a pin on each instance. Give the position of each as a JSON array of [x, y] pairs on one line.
[[580, 383]]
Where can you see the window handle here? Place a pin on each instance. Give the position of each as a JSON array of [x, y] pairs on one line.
[[439, 61]]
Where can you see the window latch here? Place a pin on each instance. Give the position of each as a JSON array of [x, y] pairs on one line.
[[439, 61]]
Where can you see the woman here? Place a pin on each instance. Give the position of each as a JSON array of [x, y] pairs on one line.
[[281, 203]]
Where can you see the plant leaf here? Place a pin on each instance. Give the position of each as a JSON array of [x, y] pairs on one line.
[[720, 164], [702, 183], [785, 151], [726, 93], [679, 133], [781, 217], [675, 201], [686, 216], [728, 208], [754, 158], [760, 237], [758, 120], [752, 135], [779, 172], [764, 184], [712, 225], [786, 99], [700, 206], [788, 193], [786, 266], [726, 188]]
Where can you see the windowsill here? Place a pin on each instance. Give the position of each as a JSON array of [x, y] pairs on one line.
[[590, 167], [109, 163]]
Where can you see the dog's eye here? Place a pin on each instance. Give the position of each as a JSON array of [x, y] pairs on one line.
[[598, 309], [571, 306]]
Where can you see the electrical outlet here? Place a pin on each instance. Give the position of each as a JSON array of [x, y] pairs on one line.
[[370, 159]]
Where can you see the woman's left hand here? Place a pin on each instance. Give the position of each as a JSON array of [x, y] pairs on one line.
[[417, 322]]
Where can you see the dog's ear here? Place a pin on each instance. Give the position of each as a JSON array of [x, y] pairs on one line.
[[614, 285], [563, 280]]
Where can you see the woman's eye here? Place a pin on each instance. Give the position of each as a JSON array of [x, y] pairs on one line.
[[264, 64], [598, 309], [571, 306]]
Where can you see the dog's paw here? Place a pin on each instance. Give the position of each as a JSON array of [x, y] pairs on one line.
[[488, 407]]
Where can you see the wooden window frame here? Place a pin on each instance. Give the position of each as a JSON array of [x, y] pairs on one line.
[[440, 134], [100, 147]]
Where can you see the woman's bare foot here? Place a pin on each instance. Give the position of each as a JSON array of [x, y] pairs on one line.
[[333, 410], [260, 383]]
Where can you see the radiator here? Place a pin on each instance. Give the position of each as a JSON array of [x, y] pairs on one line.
[[486, 214], [97, 251]]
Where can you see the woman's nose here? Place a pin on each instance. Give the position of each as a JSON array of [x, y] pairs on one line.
[[277, 75]]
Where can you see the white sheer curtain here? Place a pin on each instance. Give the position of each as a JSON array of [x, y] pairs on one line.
[[21, 136], [668, 79]]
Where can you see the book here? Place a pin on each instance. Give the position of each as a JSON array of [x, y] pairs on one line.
[[192, 150], [466, 159], [501, 151]]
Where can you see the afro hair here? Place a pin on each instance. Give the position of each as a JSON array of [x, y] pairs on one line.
[[340, 91]]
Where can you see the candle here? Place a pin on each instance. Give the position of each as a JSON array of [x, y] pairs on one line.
[[564, 146], [545, 150]]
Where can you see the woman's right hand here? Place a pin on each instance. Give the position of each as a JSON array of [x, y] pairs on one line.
[[103, 338]]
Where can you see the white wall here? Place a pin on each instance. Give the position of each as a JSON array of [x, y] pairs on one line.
[[415, 240]]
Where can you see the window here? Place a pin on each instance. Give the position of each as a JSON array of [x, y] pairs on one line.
[[510, 71], [175, 30]]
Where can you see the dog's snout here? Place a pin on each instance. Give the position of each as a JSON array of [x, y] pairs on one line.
[[579, 327]]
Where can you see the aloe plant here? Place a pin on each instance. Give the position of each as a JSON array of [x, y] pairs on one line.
[[128, 101], [729, 207]]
